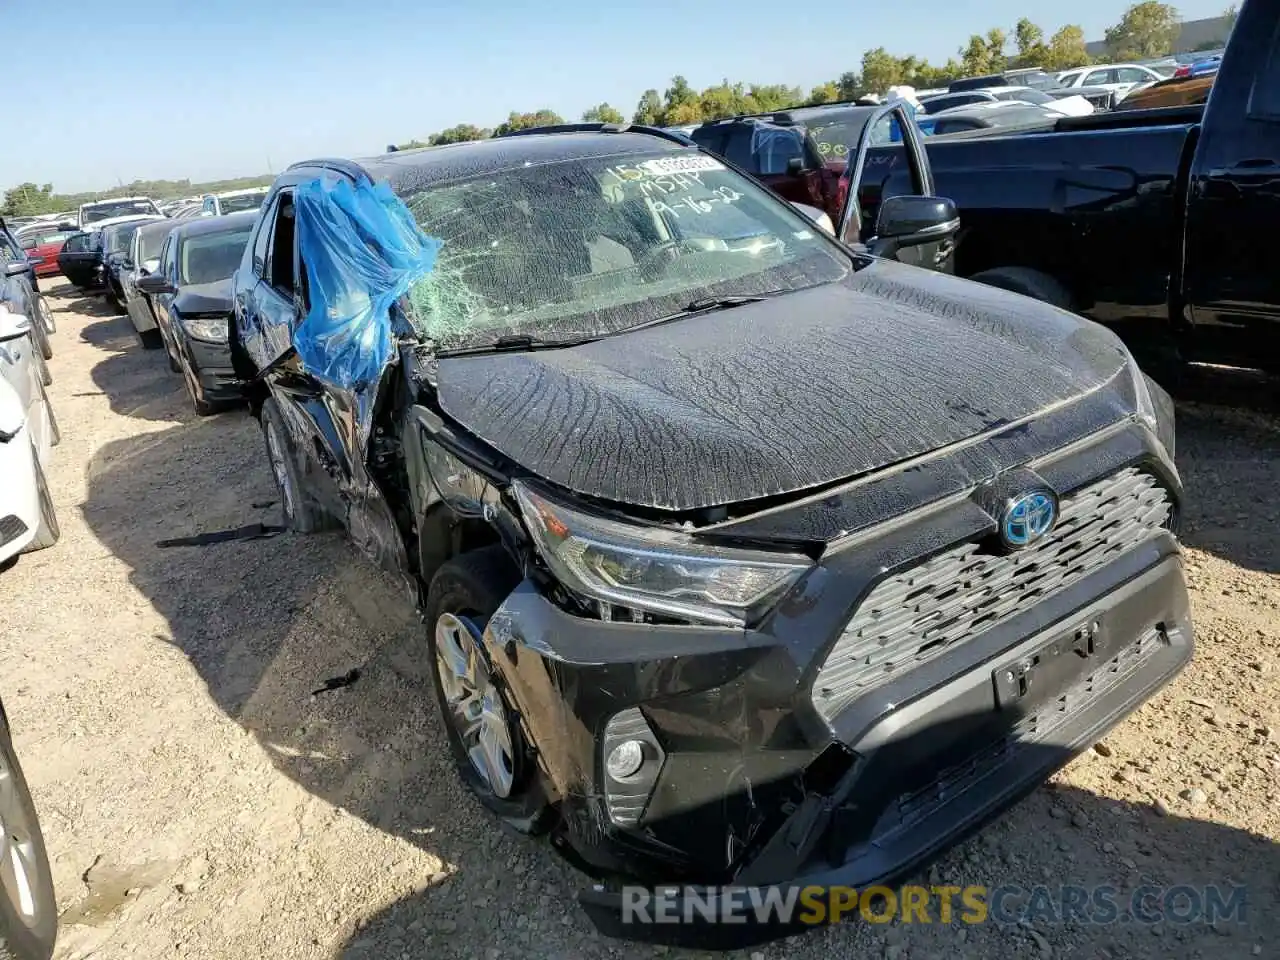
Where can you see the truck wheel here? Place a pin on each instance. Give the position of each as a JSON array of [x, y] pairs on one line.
[[301, 512], [489, 749], [28, 907], [1028, 282], [48, 532]]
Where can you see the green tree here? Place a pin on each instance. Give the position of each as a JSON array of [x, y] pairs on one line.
[[603, 113], [881, 70], [649, 109], [774, 96], [1067, 49], [1029, 38], [850, 86], [462, 133], [975, 57], [828, 92], [523, 121], [1147, 29], [725, 99], [28, 199]]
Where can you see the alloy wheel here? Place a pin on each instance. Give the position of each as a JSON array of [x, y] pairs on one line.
[[19, 864], [280, 468], [475, 706]]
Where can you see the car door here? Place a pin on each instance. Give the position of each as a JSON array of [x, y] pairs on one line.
[[77, 259], [275, 306], [161, 303], [860, 225], [1232, 268]]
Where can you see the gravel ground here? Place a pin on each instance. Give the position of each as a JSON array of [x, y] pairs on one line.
[[199, 800]]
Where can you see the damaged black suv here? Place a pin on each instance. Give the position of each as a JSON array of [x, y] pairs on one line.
[[746, 557]]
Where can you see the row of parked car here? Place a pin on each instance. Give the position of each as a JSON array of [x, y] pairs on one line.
[[750, 553], [28, 522]]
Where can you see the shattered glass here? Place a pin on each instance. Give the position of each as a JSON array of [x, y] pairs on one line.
[[589, 247]]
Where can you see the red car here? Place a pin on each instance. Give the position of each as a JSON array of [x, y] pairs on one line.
[[42, 248]]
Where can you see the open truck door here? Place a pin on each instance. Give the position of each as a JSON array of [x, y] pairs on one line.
[[917, 228]]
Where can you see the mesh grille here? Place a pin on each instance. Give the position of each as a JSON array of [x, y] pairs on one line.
[[917, 614]]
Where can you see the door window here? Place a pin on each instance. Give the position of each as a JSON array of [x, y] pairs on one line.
[[262, 240], [1098, 78], [1264, 99], [1132, 75], [281, 257]]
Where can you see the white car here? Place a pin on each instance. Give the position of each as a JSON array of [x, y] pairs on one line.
[[28, 432], [232, 201], [1075, 106], [1121, 79], [96, 215]]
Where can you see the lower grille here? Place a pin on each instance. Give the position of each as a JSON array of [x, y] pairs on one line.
[[914, 616], [11, 528], [1037, 728]]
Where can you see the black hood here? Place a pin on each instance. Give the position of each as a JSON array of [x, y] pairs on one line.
[[780, 396], [204, 297]]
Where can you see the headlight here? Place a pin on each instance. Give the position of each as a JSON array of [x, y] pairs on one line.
[[656, 570], [1158, 417], [212, 329]]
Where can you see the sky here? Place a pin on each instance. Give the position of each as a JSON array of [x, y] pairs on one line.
[[212, 89]]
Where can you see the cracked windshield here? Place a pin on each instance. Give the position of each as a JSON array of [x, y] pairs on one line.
[[591, 247]]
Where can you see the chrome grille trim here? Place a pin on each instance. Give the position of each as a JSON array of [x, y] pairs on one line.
[[913, 616]]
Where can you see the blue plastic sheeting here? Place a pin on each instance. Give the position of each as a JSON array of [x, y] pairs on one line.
[[362, 250]]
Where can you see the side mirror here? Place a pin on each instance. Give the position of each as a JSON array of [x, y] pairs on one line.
[[154, 284], [912, 220], [12, 325], [796, 166], [16, 268]]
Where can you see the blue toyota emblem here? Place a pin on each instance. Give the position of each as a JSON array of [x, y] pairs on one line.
[[1028, 517]]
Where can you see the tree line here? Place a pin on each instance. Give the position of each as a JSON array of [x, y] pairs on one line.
[[1147, 29]]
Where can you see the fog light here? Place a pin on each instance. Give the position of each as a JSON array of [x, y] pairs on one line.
[[625, 760]]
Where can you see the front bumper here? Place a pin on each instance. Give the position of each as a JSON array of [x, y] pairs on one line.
[[211, 365], [754, 780], [19, 498]]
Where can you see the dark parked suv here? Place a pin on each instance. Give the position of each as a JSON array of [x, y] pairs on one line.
[[754, 561]]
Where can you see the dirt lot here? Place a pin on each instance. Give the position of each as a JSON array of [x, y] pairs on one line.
[[200, 801]]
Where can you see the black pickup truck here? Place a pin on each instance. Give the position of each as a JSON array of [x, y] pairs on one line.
[[1158, 223]]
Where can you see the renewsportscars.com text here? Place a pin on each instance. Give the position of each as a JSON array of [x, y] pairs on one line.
[[1007, 904]]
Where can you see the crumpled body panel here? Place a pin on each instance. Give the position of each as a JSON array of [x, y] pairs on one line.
[[781, 396]]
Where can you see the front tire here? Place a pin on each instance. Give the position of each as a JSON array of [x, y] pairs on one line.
[[40, 337], [1028, 282], [46, 315], [48, 532], [28, 906], [489, 749], [300, 511]]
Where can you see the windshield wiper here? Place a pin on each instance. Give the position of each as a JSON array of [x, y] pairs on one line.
[[701, 305], [514, 342]]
